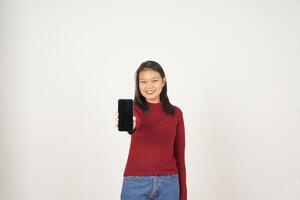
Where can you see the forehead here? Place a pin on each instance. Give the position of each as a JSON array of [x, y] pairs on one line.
[[148, 74]]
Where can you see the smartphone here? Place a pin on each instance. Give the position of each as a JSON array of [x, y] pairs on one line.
[[125, 110]]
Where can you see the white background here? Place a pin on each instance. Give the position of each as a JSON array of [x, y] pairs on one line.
[[233, 67]]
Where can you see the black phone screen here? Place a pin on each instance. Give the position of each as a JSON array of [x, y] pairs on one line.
[[125, 110]]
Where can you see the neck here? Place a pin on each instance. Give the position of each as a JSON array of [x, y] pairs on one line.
[[157, 100], [155, 105]]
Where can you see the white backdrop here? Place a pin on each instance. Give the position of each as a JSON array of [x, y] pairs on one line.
[[231, 66]]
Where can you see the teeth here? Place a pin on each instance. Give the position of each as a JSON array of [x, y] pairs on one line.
[[150, 92]]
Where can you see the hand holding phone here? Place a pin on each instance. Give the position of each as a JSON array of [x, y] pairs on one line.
[[117, 120]]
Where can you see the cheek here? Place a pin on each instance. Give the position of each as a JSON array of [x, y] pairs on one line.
[[141, 87], [159, 86]]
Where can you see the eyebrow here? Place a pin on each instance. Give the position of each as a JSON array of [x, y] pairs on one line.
[[151, 78]]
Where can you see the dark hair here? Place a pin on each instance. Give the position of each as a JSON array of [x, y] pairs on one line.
[[140, 100]]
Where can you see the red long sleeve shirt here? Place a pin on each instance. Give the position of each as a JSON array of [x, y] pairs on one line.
[[158, 145]]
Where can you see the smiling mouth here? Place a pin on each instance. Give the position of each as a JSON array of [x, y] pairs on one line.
[[150, 92]]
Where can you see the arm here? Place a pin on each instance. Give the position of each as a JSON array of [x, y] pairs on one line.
[[138, 119], [179, 152]]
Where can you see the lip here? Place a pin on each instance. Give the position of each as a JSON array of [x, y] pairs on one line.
[[150, 91]]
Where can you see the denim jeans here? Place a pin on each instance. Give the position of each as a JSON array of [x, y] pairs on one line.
[[156, 187]]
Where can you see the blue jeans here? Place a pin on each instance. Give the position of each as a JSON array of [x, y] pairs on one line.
[[158, 187]]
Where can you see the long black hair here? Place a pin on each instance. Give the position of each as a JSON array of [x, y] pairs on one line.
[[140, 100]]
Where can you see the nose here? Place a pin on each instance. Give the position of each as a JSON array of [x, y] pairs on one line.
[[149, 86]]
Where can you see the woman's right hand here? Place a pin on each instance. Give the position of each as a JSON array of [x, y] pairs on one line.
[[117, 120]]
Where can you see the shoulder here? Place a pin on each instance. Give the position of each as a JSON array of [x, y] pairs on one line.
[[178, 110], [137, 109], [136, 106]]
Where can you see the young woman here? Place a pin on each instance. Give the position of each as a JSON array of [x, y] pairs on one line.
[[155, 166]]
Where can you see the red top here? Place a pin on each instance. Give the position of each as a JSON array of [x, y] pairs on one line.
[[158, 145]]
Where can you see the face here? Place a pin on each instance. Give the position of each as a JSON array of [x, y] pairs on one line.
[[151, 84]]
